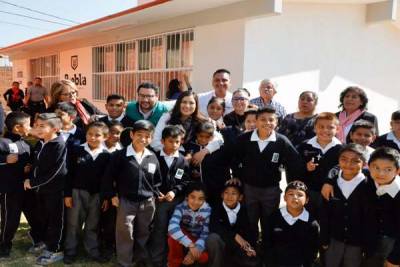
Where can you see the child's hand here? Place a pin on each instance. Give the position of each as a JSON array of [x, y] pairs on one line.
[[27, 168], [311, 166], [170, 196], [199, 156], [27, 184], [12, 158], [115, 202], [388, 264], [188, 260], [68, 202], [188, 157], [161, 197], [327, 191], [242, 243], [195, 252], [105, 205]]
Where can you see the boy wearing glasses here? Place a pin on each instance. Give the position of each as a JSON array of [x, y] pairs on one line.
[[147, 106]]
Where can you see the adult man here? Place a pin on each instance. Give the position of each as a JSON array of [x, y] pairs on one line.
[[37, 97], [267, 91], [221, 82], [147, 106]]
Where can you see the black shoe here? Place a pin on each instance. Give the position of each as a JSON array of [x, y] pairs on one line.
[[99, 259], [4, 252], [69, 259]]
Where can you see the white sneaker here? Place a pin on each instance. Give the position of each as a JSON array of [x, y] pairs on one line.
[[48, 257]]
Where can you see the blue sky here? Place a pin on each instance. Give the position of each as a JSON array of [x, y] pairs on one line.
[[74, 10]]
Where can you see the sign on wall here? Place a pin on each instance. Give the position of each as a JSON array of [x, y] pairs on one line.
[[78, 78]]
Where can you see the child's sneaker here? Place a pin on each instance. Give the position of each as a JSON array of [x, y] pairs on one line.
[[48, 257], [37, 248]]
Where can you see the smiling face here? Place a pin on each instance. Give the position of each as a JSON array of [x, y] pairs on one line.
[[114, 134], [44, 130], [215, 111], [147, 99], [267, 90], [140, 139], [325, 130], [23, 129], [362, 136], [307, 103], [115, 107], [221, 83], [195, 200], [250, 123], [266, 123], [188, 106], [351, 164], [240, 101], [383, 171], [95, 137], [295, 199], [351, 102], [231, 197], [68, 94]]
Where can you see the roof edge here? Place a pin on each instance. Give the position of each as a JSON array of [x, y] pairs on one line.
[[83, 25]]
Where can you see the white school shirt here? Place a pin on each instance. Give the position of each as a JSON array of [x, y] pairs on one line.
[[131, 152], [347, 187], [169, 158], [93, 152], [392, 189], [314, 143], [262, 144], [65, 134], [304, 216], [232, 213]]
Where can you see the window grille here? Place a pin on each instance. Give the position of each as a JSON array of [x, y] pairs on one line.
[[47, 68], [120, 67]]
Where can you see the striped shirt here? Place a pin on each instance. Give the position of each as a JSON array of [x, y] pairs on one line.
[[280, 110], [194, 222]]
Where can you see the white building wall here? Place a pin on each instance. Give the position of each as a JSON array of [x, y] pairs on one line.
[[21, 72], [325, 48], [218, 46]]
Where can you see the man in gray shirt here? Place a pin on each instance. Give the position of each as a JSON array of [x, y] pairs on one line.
[[37, 97]]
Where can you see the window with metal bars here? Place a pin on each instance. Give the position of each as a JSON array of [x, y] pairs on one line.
[[120, 67], [47, 68]]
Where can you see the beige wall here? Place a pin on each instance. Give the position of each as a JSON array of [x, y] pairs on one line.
[[325, 48]]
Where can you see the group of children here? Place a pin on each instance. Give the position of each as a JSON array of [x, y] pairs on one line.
[[160, 208]]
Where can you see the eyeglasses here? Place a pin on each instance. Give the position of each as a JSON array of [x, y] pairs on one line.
[[69, 93], [146, 96]]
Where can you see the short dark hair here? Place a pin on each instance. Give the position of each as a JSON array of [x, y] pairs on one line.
[[216, 99], [221, 71], [205, 127], [314, 95], [115, 97], [236, 185], [297, 185], [386, 153], [395, 115], [98, 124], [173, 131], [15, 82], [241, 90], [15, 118], [51, 118], [142, 125], [195, 186], [37, 77], [361, 93], [364, 124], [115, 123], [67, 107], [248, 112], [149, 85], [267, 109], [355, 148]]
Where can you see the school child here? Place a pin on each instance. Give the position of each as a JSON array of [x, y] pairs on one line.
[[136, 174], [257, 160], [363, 133], [250, 120], [292, 237], [213, 171], [72, 135], [392, 138], [112, 143], [115, 106], [230, 242], [188, 228], [320, 156], [14, 159], [48, 179], [216, 110], [383, 219], [342, 216], [175, 177], [86, 165]]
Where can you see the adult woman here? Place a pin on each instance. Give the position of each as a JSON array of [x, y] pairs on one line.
[[240, 103], [14, 97], [299, 126], [353, 101], [185, 113], [66, 91]]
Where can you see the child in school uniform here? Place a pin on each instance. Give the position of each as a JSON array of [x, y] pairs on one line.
[[213, 171], [343, 215], [320, 156], [48, 179], [175, 177], [72, 135], [86, 165], [392, 138], [363, 133], [382, 231], [14, 158], [230, 242], [257, 160], [115, 106], [188, 228], [136, 174], [112, 143], [292, 236]]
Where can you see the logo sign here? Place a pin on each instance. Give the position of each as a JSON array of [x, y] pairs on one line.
[[74, 62]]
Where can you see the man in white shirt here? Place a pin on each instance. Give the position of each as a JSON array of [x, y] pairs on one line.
[[221, 81]]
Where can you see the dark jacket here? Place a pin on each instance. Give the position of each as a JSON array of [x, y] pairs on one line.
[[364, 116], [126, 122], [383, 141]]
